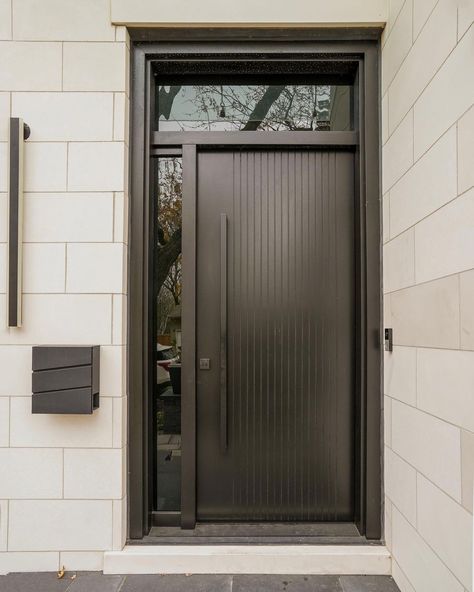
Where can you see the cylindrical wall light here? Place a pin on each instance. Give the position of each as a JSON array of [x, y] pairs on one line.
[[18, 133]]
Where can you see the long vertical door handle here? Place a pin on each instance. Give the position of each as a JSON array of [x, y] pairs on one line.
[[223, 335]]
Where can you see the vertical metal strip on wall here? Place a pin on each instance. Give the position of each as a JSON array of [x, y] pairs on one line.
[[15, 222]]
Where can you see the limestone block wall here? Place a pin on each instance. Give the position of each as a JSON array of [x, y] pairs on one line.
[[64, 69], [428, 259]]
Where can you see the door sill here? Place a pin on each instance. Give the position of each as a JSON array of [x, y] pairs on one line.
[[270, 533], [249, 559]]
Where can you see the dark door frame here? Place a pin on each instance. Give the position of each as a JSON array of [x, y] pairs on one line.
[[316, 46]]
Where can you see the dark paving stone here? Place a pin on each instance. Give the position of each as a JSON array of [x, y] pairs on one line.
[[95, 583], [177, 583], [368, 584], [259, 583], [33, 582]]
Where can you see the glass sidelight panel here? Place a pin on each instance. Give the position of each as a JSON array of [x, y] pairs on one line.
[[167, 290], [274, 107]]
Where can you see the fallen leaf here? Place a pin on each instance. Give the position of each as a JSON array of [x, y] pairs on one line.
[[74, 576], [61, 573]]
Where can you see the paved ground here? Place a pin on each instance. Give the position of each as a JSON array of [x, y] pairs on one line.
[[96, 582]]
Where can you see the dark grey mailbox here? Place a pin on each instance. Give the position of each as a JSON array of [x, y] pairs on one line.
[[66, 378]]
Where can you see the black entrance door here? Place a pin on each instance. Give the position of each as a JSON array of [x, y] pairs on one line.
[[275, 335]]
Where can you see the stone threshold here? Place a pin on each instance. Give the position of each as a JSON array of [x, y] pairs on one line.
[[249, 559]]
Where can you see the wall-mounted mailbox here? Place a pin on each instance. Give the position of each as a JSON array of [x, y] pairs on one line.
[[66, 379]]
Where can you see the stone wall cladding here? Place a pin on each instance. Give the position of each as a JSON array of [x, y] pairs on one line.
[[64, 69], [428, 234]]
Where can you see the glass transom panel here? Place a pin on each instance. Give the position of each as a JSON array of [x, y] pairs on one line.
[[254, 107]]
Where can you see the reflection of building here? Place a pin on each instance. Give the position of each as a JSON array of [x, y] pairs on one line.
[[173, 326]]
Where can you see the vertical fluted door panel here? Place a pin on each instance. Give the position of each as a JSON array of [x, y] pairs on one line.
[[290, 293]]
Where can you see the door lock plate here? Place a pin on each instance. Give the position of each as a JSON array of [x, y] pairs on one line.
[[204, 363]]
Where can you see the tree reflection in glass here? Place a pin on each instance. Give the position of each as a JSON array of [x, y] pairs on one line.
[[272, 107], [167, 290]]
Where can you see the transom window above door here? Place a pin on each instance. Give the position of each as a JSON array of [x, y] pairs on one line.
[[254, 107]]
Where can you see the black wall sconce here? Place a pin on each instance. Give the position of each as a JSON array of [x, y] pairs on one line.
[[19, 132], [66, 379]]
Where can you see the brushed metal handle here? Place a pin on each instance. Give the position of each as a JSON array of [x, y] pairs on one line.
[[223, 335]]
